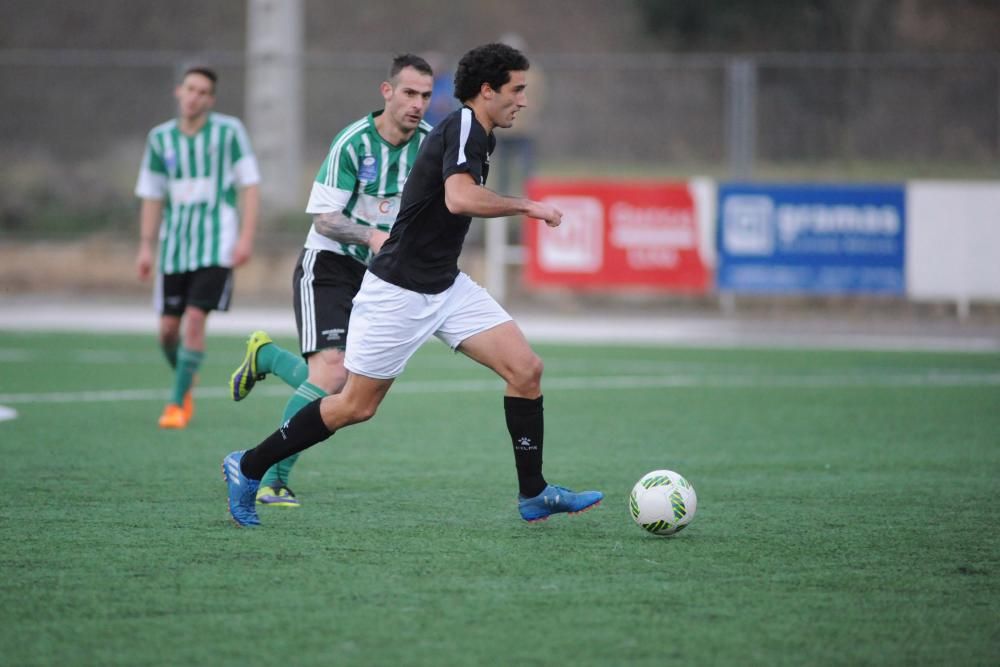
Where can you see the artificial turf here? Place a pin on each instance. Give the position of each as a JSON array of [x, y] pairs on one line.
[[847, 514]]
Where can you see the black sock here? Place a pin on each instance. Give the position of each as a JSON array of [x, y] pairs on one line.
[[302, 431], [526, 426]]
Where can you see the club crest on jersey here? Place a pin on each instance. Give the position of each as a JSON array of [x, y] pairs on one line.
[[368, 169]]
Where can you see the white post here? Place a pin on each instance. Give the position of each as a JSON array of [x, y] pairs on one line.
[[274, 97], [496, 258]]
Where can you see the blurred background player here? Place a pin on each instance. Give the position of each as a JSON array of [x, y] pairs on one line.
[[443, 100], [191, 171], [354, 201], [413, 289]]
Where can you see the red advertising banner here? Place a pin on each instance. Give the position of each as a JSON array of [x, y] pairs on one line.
[[615, 235]]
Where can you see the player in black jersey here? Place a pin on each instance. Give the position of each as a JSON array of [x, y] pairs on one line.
[[413, 290]]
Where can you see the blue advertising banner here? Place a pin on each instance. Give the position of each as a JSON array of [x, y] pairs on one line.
[[819, 239]]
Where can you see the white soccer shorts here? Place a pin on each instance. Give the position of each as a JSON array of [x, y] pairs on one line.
[[389, 323]]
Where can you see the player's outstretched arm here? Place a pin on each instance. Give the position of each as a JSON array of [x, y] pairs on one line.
[[463, 196], [338, 227]]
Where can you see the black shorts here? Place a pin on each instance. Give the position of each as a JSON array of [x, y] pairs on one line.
[[210, 288], [324, 284]]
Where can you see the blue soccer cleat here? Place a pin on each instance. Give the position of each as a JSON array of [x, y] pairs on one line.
[[247, 374], [242, 491], [554, 500]]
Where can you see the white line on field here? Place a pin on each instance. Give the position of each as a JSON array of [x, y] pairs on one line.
[[11, 354], [622, 382]]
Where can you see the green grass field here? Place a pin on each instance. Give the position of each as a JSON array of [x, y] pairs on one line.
[[848, 513]]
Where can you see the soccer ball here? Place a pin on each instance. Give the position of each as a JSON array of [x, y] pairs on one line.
[[663, 502]]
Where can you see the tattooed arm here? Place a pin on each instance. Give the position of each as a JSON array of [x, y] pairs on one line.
[[337, 227]]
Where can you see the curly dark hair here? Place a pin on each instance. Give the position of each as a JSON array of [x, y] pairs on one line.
[[490, 63]]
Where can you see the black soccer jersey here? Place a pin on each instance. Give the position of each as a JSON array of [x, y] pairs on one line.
[[421, 253]]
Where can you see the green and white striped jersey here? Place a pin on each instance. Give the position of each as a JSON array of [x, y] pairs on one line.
[[362, 177], [197, 178]]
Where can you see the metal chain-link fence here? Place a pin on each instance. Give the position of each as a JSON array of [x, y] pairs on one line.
[[74, 121]]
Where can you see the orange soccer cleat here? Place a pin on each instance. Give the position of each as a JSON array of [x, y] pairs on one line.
[[188, 406], [173, 417]]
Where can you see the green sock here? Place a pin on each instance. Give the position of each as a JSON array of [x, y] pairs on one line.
[[188, 362], [303, 396], [289, 367]]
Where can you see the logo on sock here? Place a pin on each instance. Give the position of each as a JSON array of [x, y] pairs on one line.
[[524, 443], [283, 430]]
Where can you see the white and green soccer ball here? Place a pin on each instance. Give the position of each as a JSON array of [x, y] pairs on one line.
[[663, 502]]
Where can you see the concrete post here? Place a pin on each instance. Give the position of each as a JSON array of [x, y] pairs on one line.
[[274, 98], [741, 117]]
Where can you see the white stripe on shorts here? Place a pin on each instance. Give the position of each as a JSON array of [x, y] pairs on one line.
[[308, 301], [227, 294]]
